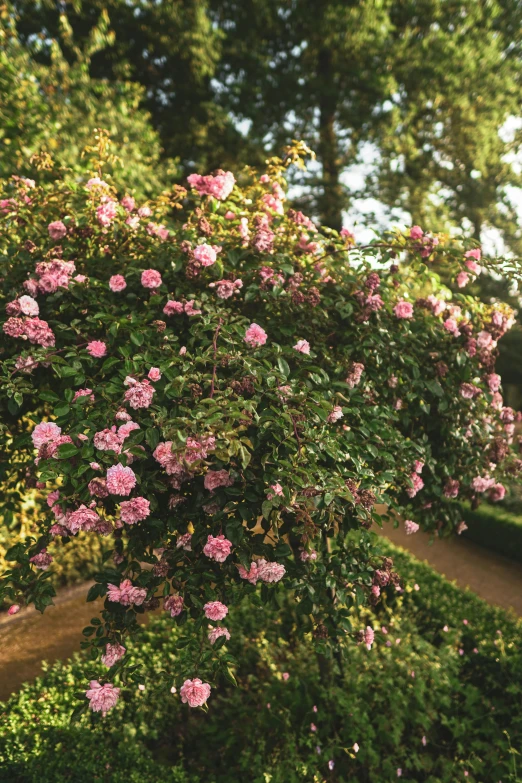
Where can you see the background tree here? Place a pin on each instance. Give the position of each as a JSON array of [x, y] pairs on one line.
[[56, 106]]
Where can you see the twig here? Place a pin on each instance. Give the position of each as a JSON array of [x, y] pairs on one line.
[[214, 369]]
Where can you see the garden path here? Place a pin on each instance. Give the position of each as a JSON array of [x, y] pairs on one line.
[[29, 637]]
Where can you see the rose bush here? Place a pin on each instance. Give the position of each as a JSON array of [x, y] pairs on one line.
[[222, 393]]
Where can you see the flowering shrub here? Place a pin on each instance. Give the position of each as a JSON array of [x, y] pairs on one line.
[[221, 392]]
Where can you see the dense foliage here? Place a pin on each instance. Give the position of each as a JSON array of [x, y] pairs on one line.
[[56, 106], [225, 396], [438, 698]]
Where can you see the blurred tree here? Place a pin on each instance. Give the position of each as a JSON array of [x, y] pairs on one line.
[[428, 82], [56, 107], [446, 157]]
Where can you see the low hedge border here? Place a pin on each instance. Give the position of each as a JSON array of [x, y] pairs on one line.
[[494, 528], [433, 698]]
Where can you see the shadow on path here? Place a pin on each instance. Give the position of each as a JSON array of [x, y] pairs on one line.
[[493, 577]]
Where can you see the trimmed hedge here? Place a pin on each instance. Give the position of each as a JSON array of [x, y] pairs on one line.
[[495, 528], [386, 700]]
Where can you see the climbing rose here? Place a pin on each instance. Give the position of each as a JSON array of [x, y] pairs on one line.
[[57, 230], [28, 305], [451, 488], [120, 480], [126, 594], [173, 604], [335, 414], [410, 527], [97, 348], [150, 278], [45, 432], [462, 279], [215, 610], [418, 484], [194, 692], [154, 374], [255, 336], [217, 548], [42, 560], [106, 212], [493, 380], [117, 283], [82, 519], [183, 542], [206, 254], [219, 186], [107, 440], [369, 637], [469, 390], [270, 572], [140, 394], [113, 653], [217, 478], [496, 493], [132, 511], [303, 346], [13, 609], [480, 484], [215, 633], [102, 697], [403, 309]]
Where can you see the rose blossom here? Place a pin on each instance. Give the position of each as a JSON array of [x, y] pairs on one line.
[[126, 594], [468, 390], [82, 519], [57, 230], [183, 542], [215, 633], [255, 336], [132, 511], [97, 349], [270, 572], [102, 697], [220, 186], [335, 414], [45, 432], [112, 654], [462, 279], [150, 278], [217, 478], [496, 493], [451, 488], [369, 636], [154, 374], [418, 484], [303, 346], [106, 212], [215, 610], [403, 309], [217, 548], [173, 604], [107, 440], [173, 308], [206, 254], [194, 692], [481, 484], [493, 381], [140, 394], [410, 527], [117, 283], [42, 560], [120, 480], [13, 609]]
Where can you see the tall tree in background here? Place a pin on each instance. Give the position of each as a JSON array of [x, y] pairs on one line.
[[55, 107], [428, 82]]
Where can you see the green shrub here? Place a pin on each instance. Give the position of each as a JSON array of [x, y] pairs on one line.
[[386, 700], [495, 528]]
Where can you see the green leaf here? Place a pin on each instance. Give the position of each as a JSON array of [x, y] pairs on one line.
[[283, 366], [67, 450]]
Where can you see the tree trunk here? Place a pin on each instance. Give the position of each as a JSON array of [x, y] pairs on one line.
[[331, 201]]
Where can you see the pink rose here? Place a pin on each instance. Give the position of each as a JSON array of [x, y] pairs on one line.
[[120, 480], [302, 346], [154, 374], [194, 692], [102, 697], [117, 283], [215, 610], [403, 309], [217, 548], [255, 336], [150, 278], [97, 349], [57, 230]]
